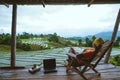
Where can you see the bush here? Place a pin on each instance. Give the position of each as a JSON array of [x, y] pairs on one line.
[[23, 46], [115, 60], [26, 47]]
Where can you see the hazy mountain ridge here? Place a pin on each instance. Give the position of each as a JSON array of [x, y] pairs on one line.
[[104, 35]]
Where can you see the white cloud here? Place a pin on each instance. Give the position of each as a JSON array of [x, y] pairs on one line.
[[65, 20]]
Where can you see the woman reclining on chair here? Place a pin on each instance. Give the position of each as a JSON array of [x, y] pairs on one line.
[[87, 53]]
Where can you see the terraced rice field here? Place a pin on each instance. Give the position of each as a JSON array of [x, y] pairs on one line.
[[36, 57]]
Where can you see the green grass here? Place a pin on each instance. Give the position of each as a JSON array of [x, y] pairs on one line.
[[115, 60], [7, 48]]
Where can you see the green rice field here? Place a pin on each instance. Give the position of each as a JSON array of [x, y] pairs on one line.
[[29, 58]]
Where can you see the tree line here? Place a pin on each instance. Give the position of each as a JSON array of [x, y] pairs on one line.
[[5, 39]]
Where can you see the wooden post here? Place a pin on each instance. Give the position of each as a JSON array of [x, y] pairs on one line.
[[13, 36], [113, 36]]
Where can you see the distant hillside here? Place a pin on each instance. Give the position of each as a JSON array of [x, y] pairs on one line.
[[104, 35], [75, 38]]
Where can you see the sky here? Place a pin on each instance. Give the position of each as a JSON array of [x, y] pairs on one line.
[[65, 20]]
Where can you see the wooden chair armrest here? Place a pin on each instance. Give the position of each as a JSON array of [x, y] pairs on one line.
[[71, 55], [75, 56], [82, 58]]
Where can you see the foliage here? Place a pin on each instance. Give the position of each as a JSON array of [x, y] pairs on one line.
[[69, 43], [115, 60], [25, 47], [88, 42], [37, 47], [7, 48], [4, 48], [25, 35], [80, 42], [117, 42], [54, 38], [28, 42], [5, 39]]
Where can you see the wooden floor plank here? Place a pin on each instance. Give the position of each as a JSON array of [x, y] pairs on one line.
[[108, 72]]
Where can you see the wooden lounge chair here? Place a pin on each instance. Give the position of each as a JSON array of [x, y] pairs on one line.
[[91, 64]]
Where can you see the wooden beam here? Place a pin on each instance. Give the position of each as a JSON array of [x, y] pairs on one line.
[[113, 36], [4, 3], [90, 3], [58, 2], [13, 36]]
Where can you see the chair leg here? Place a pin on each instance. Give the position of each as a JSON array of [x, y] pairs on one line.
[[83, 77], [80, 73], [95, 70], [68, 66]]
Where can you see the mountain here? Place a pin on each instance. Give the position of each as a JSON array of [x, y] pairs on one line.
[[75, 38], [104, 35]]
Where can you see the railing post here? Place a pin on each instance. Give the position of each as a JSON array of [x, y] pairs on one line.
[[13, 36], [113, 36]]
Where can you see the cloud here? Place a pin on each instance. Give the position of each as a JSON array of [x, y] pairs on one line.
[[70, 20]]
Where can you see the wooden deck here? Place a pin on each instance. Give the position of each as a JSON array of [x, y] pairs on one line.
[[108, 72]]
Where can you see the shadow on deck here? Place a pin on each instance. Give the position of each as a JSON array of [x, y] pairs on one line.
[[108, 72]]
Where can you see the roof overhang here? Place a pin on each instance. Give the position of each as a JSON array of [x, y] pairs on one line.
[[58, 2]]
